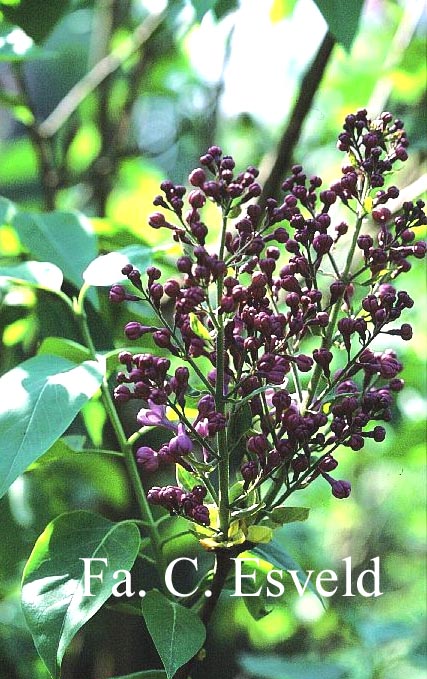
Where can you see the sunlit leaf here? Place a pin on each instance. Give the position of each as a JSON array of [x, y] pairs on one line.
[[198, 328], [40, 274], [64, 238], [39, 400], [54, 600], [66, 348]]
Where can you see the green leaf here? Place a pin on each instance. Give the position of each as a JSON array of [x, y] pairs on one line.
[[202, 7], [36, 17], [39, 274], [148, 674], [258, 607], [54, 601], [275, 667], [177, 632], [7, 211], [198, 328], [96, 471], [40, 399], [64, 238], [107, 269], [65, 348], [342, 19], [15, 44], [224, 7], [274, 553], [284, 514], [240, 423]]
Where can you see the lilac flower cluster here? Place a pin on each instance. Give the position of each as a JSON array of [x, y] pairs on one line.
[[243, 310]]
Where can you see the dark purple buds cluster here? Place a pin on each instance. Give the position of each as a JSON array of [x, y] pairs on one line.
[[264, 322], [177, 501]]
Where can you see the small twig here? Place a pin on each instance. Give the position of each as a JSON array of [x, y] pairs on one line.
[[97, 75], [291, 134]]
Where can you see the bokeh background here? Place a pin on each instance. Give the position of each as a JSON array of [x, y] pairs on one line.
[[99, 102]]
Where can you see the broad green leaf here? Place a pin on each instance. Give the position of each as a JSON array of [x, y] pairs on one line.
[[54, 599], [7, 211], [259, 534], [198, 328], [36, 17], [342, 19], [148, 674], [202, 7], [40, 274], [107, 269], [186, 479], [275, 667], [39, 400], [284, 514], [65, 348], [235, 491], [224, 7], [93, 470], [240, 423], [257, 606], [15, 44], [274, 553], [177, 632], [64, 238]]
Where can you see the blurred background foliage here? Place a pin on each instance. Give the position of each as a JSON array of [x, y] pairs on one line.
[[100, 101]]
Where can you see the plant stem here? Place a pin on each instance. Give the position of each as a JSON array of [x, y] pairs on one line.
[[220, 400], [124, 445], [223, 565]]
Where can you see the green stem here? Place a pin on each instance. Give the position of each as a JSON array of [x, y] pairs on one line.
[[220, 401], [125, 446]]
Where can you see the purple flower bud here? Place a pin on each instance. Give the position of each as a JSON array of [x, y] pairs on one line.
[[328, 464], [117, 294], [197, 177], [420, 249], [162, 338], [258, 444], [180, 444], [323, 357], [341, 489], [147, 458], [184, 264], [206, 405], [200, 514], [154, 495], [337, 289], [134, 330], [281, 400], [122, 394], [172, 288], [249, 471], [304, 363], [199, 493]]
